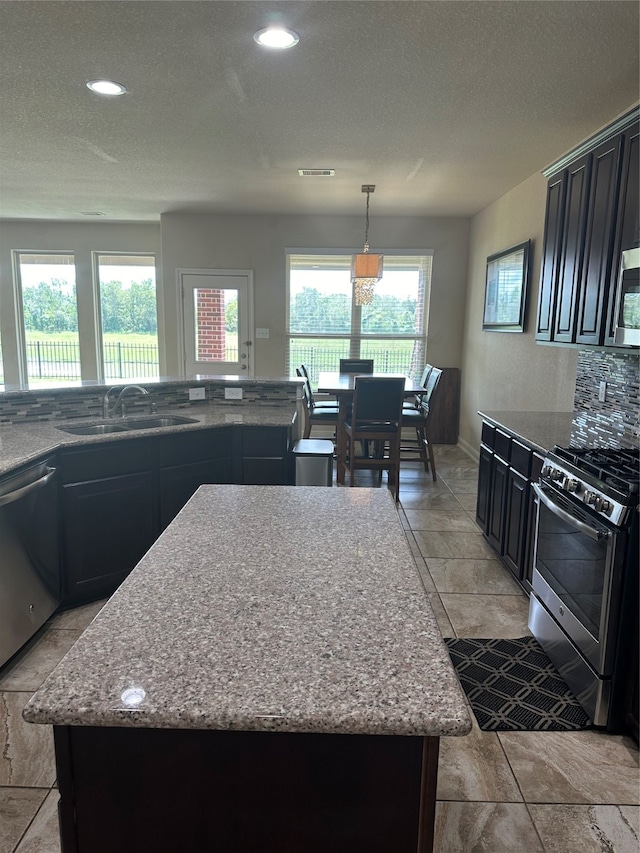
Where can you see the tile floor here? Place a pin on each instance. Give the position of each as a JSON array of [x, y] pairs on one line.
[[497, 792]]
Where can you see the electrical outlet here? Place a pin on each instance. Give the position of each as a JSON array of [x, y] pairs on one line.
[[602, 393], [233, 393], [197, 394], [262, 333]]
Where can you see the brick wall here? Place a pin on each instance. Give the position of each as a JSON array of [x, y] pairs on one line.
[[210, 333]]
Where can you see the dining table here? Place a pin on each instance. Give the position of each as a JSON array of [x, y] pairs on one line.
[[342, 386]]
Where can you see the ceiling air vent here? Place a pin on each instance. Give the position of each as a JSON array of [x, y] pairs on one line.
[[316, 173]]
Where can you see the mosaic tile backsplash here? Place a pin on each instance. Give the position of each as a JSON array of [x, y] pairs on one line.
[[72, 403], [616, 421]]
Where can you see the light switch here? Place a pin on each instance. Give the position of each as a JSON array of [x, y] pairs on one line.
[[262, 333]]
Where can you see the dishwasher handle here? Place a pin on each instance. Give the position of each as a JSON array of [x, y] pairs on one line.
[[23, 491]]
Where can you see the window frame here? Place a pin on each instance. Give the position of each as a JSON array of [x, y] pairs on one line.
[[356, 336]]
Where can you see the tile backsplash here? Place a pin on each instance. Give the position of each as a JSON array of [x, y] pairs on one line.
[[616, 421], [86, 402]]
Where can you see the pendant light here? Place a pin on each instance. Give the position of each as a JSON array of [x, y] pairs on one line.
[[366, 268]]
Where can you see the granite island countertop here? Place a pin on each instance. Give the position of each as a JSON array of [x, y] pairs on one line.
[[263, 608], [22, 443]]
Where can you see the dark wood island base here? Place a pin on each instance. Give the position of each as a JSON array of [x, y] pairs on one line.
[[168, 790]]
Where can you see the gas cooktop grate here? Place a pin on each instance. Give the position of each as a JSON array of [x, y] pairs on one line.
[[616, 468]]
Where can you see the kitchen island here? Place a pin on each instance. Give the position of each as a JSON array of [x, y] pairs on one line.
[[270, 677]]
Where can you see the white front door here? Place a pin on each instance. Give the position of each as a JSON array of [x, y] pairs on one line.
[[217, 323]]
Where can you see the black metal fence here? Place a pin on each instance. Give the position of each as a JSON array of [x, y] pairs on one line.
[[61, 360], [406, 357]]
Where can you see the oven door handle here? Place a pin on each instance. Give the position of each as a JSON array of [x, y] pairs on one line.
[[587, 529]]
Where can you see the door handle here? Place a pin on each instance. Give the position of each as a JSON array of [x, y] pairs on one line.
[[22, 492]]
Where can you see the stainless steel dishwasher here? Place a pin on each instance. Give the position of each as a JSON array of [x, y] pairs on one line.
[[29, 555]]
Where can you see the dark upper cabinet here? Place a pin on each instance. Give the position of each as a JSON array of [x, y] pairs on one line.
[[591, 216], [570, 263], [598, 244], [628, 220], [554, 220]]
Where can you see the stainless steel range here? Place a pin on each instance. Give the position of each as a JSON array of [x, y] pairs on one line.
[[583, 610]]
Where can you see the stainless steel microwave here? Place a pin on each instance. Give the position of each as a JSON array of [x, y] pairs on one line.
[[627, 302]]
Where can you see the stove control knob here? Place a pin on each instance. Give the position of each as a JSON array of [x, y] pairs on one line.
[[603, 505], [546, 470], [573, 485], [556, 474], [590, 497]]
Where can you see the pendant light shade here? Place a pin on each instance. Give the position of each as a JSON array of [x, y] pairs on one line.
[[366, 267]]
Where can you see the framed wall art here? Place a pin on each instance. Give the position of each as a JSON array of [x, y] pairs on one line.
[[505, 295]]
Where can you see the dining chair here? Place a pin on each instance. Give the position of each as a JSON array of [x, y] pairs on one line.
[[315, 415], [356, 365], [418, 419], [375, 417], [303, 372], [415, 403]]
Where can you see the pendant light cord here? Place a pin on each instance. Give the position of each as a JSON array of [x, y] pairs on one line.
[[366, 226]]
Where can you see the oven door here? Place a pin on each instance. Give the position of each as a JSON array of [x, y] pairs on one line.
[[578, 575]]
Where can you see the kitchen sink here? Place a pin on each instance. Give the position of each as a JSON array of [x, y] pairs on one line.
[[148, 422], [155, 421], [91, 429]]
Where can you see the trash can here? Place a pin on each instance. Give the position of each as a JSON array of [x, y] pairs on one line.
[[313, 462]]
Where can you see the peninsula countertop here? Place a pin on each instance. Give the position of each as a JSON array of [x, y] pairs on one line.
[[292, 609], [24, 442]]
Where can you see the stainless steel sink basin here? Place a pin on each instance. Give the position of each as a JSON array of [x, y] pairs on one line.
[[155, 421], [91, 429], [144, 422]]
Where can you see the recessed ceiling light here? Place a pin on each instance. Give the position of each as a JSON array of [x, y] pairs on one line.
[[106, 87], [276, 37]]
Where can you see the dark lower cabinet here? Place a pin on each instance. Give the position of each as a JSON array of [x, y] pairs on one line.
[[246, 791], [188, 461], [118, 496], [515, 528], [180, 482], [484, 487], [262, 456], [497, 503], [108, 525], [504, 498]]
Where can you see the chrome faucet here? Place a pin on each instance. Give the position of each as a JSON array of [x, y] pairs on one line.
[[109, 411]]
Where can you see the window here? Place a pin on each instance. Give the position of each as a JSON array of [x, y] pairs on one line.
[[50, 317], [324, 323], [127, 286]]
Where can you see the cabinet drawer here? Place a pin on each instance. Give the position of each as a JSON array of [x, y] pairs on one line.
[[182, 448], [110, 459], [520, 458], [502, 445], [264, 441], [488, 435]]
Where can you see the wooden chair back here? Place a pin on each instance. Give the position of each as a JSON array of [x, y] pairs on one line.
[[377, 400], [356, 365]]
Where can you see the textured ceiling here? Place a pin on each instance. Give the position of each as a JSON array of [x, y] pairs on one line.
[[443, 105]]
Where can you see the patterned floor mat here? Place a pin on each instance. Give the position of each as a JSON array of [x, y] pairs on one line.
[[513, 686]]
